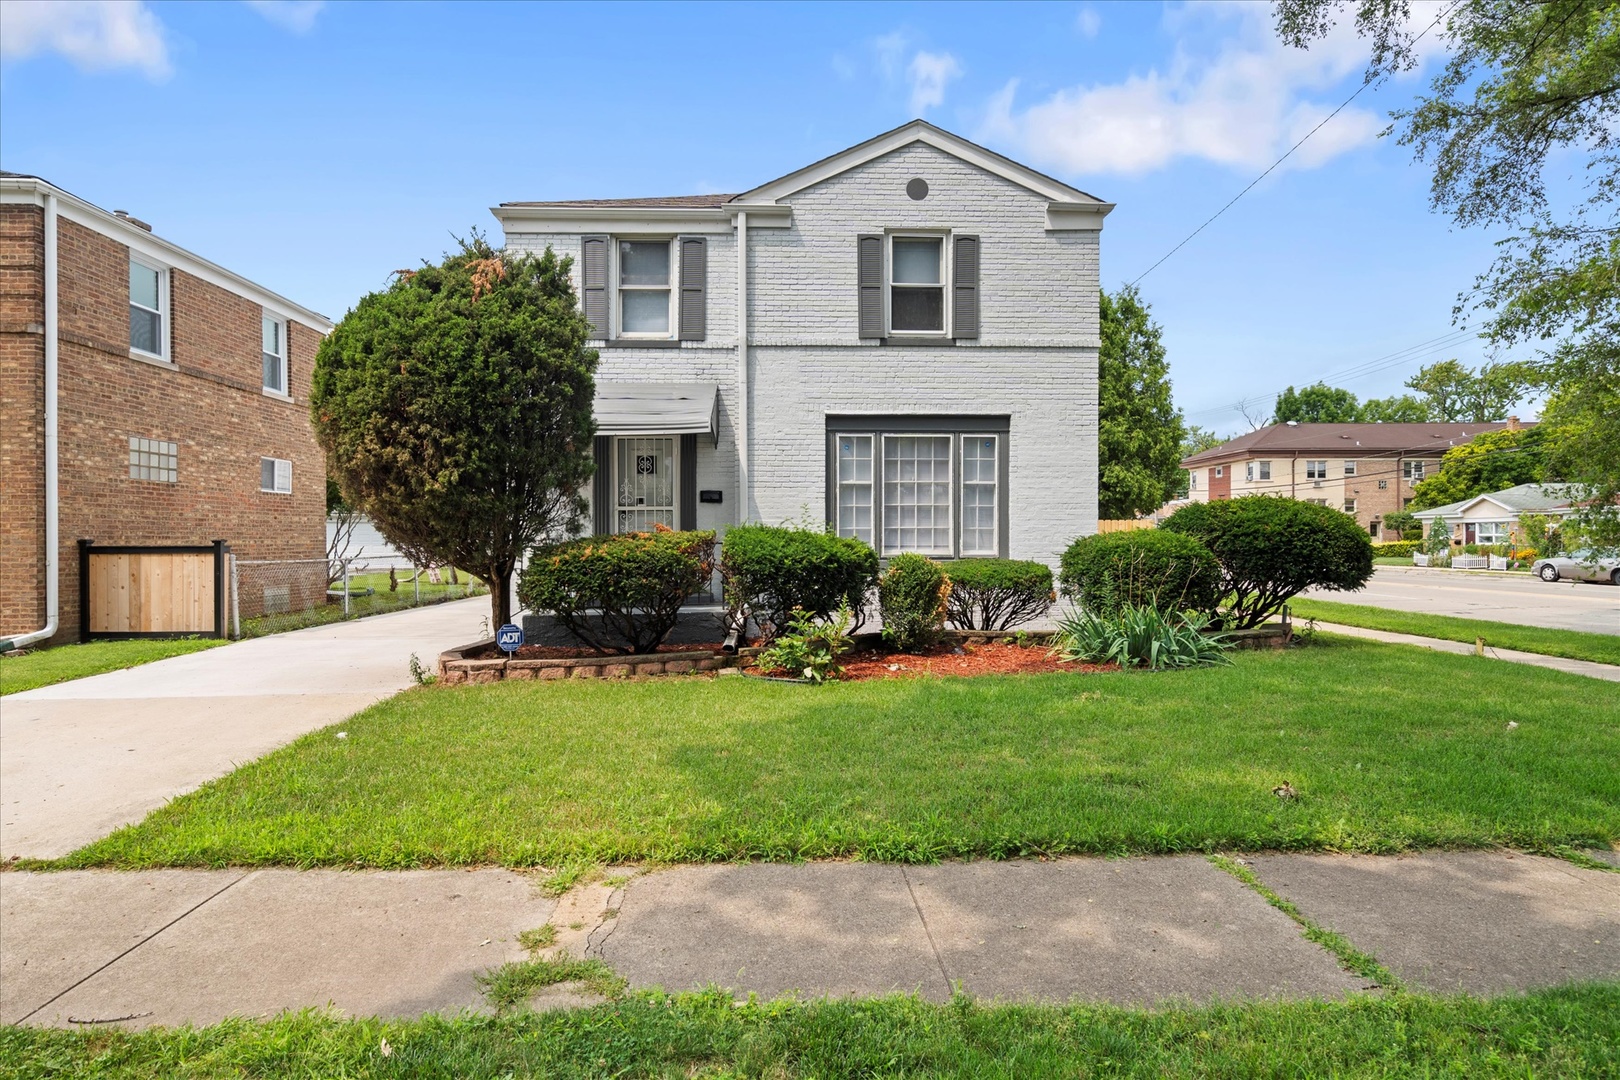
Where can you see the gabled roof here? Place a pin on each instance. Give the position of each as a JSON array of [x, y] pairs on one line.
[[1342, 440], [1519, 499]]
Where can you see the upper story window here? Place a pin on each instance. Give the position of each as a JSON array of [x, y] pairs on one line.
[[1349, 468], [1220, 470], [275, 355], [1316, 470], [917, 285], [1412, 470], [644, 292], [148, 303]]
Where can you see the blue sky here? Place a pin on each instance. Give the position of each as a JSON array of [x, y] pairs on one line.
[[318, 147]]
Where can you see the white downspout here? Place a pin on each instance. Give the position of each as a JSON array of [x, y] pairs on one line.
[[52, 569], [744, 492]]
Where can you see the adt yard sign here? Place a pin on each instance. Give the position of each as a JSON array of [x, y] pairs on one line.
[[509, 638]]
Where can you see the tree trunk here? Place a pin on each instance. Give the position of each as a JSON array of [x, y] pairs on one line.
[[500, 599]]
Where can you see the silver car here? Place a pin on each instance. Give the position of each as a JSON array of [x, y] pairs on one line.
[[1579, 566]]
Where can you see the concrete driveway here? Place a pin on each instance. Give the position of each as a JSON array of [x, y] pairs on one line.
[[1509, 598], [81, 758]]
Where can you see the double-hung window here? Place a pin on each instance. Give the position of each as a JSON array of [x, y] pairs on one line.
[[1316, 470], [644, 289], [148, 301], [1259, 470], [1412, 470], [274, 351], [916, 487], [1349, 468], [917, 284]]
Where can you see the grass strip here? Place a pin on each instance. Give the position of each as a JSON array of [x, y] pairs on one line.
[[1570, 1032], [511, 985], [1364, 964], [1572, 644], [44, 667]]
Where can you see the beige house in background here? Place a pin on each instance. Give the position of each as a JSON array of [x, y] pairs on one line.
[[1366, 470]]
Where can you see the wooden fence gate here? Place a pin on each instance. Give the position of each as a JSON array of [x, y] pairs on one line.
[[1115, 525], [151, 591]]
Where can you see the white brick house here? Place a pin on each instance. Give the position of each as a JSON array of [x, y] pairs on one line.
[[915, 361]]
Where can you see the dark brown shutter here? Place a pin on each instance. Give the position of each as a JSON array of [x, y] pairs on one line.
[[686, 514], [602, 486], [965, 287], [694, 287], [593, 267], [869, 285]]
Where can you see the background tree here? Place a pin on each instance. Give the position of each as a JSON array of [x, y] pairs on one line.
[[1318, 403], [455, 410], [1140, 430], [1455, 393], [1399, 409], [1525, 85], [1488, 462], [1404, 524], [341, 521], [1195, 440]]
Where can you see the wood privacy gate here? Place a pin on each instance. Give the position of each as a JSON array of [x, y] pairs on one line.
[[151, 591]]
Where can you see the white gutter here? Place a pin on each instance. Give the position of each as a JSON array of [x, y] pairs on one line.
[[742, 368], [52, 569]]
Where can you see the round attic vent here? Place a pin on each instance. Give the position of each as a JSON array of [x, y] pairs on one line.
[[917, 189]]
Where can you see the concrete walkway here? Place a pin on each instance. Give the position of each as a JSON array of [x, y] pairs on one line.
[[82, 758], [172, 946], [1609, 672]]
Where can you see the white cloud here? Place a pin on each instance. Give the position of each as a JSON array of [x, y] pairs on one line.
[[96, 35], [1088, 22], [928, 74], [295, 15], [1242, 104]]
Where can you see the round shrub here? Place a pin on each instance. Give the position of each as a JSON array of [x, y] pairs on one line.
[[1109, 572], [996, 594], [1271, 548], [637, 583], [768, 572], [912, 594]]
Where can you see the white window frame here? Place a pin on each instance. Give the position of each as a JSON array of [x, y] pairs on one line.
[[1413, 470], [284, 390], [871, 486], [619, 288], [1316, 468], [1350, 468], [1220, 470], [952, 508], [675, 480], [1350, 506], [1192, 479], [995, 502], [280, 470], [144, 454], [162, 311], [945, 271], [1501, 529]]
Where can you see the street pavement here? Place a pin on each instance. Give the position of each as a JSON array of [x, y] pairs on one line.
[[81, 758], [166, 947], [1499, 596]]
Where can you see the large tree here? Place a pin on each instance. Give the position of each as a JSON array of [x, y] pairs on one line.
[[1456, 394], [1140, 430], [1489, 462], [1399, 409], [1525, 87], [454, 407], [1318, 403]]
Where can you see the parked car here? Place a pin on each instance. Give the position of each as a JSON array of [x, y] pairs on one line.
[[1579, 566]]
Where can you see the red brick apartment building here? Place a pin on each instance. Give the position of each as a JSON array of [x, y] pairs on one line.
[[180, 405]]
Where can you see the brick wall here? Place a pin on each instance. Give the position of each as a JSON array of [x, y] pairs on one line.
[[208, 400]]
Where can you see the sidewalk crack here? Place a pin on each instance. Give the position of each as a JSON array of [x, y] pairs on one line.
[[66, 990], [927, 932]]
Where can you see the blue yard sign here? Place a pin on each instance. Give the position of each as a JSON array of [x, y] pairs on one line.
[[509, 638]]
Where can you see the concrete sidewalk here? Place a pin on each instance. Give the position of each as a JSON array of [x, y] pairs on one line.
[[82, 758], [1590, 669], [173, 946]]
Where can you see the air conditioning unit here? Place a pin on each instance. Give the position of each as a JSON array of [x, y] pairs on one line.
[[1316, 483]]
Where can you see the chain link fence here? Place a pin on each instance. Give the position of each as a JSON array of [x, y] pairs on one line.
[[272, 595]]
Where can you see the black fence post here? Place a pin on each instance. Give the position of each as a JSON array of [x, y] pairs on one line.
[[219, 588], [84, 589]]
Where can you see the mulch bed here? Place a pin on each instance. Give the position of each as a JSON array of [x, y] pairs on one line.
[[577, 652], [990, 658]]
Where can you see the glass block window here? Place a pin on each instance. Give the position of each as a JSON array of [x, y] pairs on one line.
[[154, 459], [917, 494], [147, 286], [275, 475], [855, 486], [979, 474]]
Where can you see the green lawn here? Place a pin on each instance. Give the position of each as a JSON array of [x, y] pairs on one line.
[[1390, 747], [64, 662], [1575, 644], [381, 599], [1571, 1032]]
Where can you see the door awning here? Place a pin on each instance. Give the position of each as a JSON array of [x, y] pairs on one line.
[[657, 408]]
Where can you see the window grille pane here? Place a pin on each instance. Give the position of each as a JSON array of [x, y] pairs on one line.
[[979, 495], [145, 330], [272, 373], [914, 309], [643, 263], [855, 487], [916, 261], [644, 311], [916, 516], [143, 286]]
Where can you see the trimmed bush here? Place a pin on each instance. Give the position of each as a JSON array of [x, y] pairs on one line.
[[912, 594], [770, 571], [1110, 572], [636, 581], [1396, 549], [1271, 548], [996, 594]]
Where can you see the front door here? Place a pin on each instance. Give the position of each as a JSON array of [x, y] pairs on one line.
[[1469, 535], [644, 477]]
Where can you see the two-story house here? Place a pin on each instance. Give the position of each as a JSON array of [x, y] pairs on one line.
[[900, 339], [147, 397], [1366, 470]]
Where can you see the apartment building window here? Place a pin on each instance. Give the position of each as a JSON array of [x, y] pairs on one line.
[[917, 284], [154, 459], [1412, 470], [1349, 468], [148, 301], [275, 355], [1316, 470], [644, 292], [1259, 470], [1349, 506], [1317, 502], [275, 475]]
